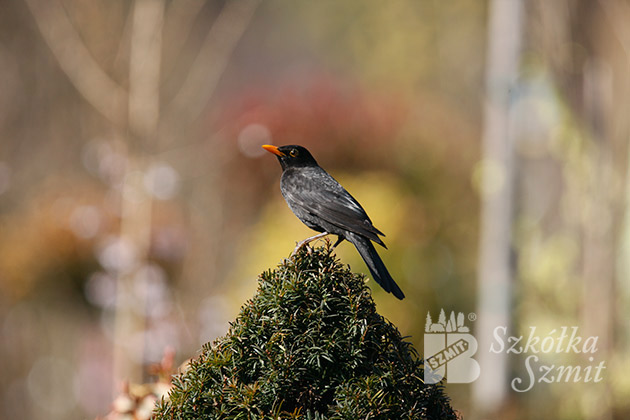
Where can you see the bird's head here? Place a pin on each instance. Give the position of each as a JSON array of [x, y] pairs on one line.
[[291, 156]]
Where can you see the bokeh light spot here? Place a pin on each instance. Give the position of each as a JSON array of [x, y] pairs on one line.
[[488, 177], [85, 221], [251, 138], [100, 290], [117, 254], [161, 181]]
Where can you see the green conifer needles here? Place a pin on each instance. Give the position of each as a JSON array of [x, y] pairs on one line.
[[309, 345]]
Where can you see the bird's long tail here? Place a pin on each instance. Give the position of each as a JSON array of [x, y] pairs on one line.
[[375, 264]]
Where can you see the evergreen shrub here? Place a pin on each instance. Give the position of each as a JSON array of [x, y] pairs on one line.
[[308, 345]]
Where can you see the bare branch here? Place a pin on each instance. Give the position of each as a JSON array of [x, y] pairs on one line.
[[74, 58], [144, 67], [178, 23], [617, 13], [211, 61]]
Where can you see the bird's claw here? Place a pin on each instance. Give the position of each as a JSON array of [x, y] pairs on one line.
[[299, 246], [307, 241]]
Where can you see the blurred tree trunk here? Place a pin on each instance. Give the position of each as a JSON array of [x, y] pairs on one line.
[[617, 13], [135, 227], [593, 76], [598, 310], [495, 269]]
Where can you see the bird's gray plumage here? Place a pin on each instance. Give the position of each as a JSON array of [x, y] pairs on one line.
[[323, 205]]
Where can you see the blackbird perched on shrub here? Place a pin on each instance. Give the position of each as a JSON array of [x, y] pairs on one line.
[[323, 205]]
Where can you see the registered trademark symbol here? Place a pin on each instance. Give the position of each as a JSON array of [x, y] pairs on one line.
[[472, 316]]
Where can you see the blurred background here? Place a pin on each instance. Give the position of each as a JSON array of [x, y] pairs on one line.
[[487, 139]]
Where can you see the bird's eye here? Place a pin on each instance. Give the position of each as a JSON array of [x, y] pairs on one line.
[[293, 153]]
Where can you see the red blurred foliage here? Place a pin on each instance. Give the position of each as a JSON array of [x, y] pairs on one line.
[[338, 121]]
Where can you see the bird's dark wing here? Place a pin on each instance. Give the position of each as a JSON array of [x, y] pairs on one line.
[[316, 192]]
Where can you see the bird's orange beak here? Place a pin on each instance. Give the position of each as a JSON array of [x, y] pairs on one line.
[[272, 149]]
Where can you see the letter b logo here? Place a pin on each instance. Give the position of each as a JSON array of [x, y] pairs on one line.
[[448, 351]]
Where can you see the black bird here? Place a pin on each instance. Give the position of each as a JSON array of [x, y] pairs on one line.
[[322, 204]]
